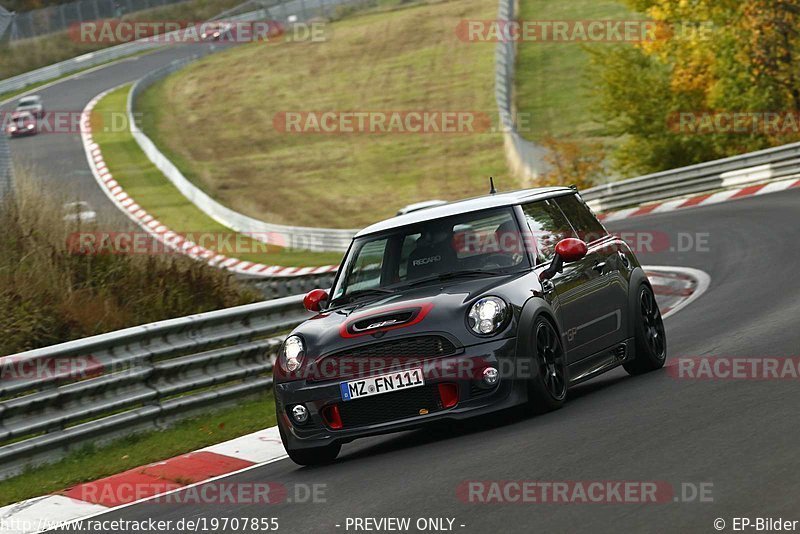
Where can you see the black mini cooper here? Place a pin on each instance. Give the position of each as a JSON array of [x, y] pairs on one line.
[[460, 310]]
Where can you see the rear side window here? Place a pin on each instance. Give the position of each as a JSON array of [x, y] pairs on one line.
[[548, 226], [585, 223]]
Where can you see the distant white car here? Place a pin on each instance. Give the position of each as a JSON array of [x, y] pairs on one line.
[[420, 206], [79, 212], [32, 104]]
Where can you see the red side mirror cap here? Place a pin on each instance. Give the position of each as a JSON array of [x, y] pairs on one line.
[[314, 299], [571, 249]]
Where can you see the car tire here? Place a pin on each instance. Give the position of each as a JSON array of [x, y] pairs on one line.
[[312, 455], [547, 390], [650, 337]]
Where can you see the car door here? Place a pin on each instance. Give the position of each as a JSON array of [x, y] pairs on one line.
[[570, 291], [599, 322]]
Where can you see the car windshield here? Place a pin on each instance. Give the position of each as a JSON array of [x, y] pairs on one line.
[[28, 102], [462, 245]]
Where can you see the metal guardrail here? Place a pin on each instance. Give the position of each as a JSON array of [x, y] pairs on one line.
[[56, 399], [753, 167], [51, 72], [274, 288], [294, 237]]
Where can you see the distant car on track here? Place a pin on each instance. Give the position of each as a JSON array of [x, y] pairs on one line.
[[79, 211], [32, 104], [22, 123], [460, 310], [216, 31]]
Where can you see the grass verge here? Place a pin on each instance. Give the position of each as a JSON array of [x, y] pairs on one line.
[[221, 131], [154, 193], [553, 84], [93, 462]]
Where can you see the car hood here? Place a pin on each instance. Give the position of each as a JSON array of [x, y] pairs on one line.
[[437, 307]]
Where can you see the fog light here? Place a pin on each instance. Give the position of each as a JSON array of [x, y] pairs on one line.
[[490, 376], [300, 414]]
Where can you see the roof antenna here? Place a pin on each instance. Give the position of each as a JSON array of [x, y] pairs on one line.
[[492, 190]]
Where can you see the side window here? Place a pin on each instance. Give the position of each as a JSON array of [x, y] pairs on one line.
[[479, 238], [548, 225], [367, 269], [585, 223]]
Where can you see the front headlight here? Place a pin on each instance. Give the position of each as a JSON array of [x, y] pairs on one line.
[[487, 316], [292, 354]]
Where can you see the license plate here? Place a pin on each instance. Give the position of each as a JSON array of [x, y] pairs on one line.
[[375, 385]]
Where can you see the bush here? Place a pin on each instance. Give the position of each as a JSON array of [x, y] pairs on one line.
[[572, 163], [709, 60], [49, 295]]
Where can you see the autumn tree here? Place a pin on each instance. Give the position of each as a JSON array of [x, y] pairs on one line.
[[706, 58]]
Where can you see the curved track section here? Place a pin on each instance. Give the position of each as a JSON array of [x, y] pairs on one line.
[[58, 158], [740, 436]]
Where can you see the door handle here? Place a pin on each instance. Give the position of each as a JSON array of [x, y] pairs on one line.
[[548, 286]]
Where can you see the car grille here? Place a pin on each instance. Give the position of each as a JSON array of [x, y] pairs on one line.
[[377, 357], [390, 406], [412, 347]]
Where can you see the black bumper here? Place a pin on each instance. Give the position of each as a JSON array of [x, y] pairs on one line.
[[22, 133], [463, 370]]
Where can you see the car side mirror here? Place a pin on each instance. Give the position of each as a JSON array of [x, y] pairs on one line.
[[315, 300], [567, 251]]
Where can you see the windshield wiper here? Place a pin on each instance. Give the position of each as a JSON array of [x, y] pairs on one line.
[[455, 274], [367, 292]]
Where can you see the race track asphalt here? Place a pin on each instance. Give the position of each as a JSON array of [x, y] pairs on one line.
[[740, 436]]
